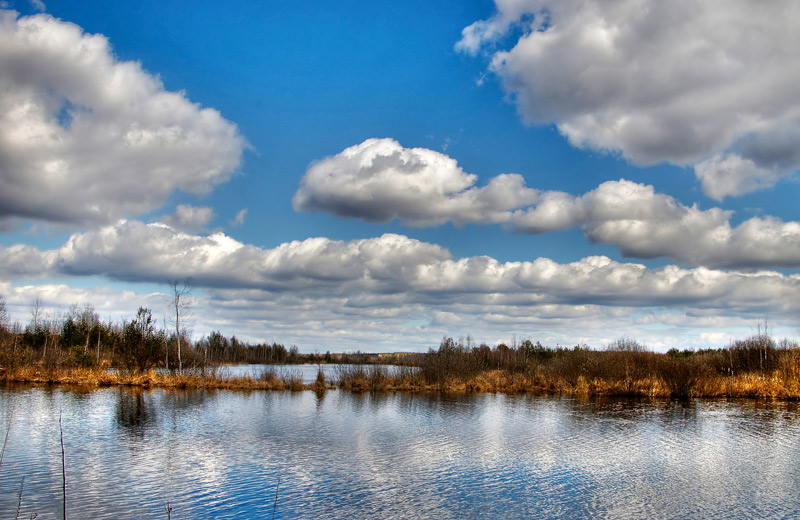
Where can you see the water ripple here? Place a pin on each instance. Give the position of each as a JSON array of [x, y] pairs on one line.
[[221, 454]]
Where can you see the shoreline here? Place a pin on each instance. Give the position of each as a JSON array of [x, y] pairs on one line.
[[365, 379]]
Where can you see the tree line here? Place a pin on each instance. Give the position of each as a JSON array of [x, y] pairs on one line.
[[623, 367], [80, 338]]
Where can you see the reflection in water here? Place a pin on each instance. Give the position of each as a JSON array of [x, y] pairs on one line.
[[134, 411], [341, 455], [305, 372]]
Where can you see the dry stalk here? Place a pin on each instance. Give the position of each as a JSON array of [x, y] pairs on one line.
[[275, 504], [63, 468]]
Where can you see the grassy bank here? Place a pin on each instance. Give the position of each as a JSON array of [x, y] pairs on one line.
[[754, 367], [591, 373], [81, 350], [564, 372], [98, 377]]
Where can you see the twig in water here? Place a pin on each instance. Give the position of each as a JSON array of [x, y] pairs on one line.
[[275, 505], [19, 497], [168, 509], [63, 466], [3, 453]]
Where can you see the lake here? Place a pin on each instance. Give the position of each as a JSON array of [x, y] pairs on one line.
[[221, 454], [305, 372]]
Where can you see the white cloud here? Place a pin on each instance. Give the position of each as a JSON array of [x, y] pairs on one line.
[[730, 174], [56, 298], [87, 138], [21, 261], [646, 224], [392, 286], [238, 220], [688, 82], [379, 180], [189, 218], [509, 13]]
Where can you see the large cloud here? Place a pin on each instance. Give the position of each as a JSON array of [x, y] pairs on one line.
[[379, 180], [395, 270], [87, 138], [646, 224], [189, 218], [396, 293], [707, 83]]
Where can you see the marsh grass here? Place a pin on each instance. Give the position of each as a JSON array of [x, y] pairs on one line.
[[379, 378], [591, 373], [756, 367], [98, 377]]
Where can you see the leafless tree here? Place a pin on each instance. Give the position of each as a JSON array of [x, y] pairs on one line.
[[166, 346], [44, 324], [180, 305], [4, 326], [3, 314], [36, 315]]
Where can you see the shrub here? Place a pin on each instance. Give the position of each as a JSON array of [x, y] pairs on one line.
[[142, 347], [626, 344]]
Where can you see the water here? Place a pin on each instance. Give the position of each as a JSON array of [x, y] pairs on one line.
[[306, 372], [220, 454]]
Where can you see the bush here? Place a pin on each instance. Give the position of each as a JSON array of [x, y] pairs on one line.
[[626, 344], [79, 357], [141, 347]]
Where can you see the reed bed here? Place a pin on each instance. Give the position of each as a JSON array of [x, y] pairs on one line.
[[745, 369], [98, 377], [535, 381]]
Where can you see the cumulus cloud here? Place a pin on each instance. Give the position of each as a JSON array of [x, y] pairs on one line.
[[646, 224], [238, 220], [56, 298], [331, 294], [399, 271], [85, 137], [189, 218], [698, 83], [379, 180], [731, 174]]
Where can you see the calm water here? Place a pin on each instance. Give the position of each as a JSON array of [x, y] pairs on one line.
[[306, 372], [221, 454]]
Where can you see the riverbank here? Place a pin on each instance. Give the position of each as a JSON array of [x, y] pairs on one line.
[[99, 377], [367, 378]]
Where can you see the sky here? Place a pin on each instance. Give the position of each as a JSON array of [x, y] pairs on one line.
[[377, 175]]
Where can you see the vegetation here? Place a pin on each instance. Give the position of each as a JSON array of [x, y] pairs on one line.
[[754, 367], [79, 348]]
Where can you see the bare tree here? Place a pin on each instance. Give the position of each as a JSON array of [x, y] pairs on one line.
[[36, 315], [180, 305], [3, 314], [4, 326], [166, 346]]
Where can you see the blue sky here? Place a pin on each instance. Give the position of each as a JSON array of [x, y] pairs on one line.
[[375, 175]]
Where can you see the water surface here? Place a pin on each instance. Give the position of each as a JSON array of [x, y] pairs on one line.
[[220, 454], [306, 372]]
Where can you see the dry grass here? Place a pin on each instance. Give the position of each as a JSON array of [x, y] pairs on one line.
[[677, 379], [149, 379]]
